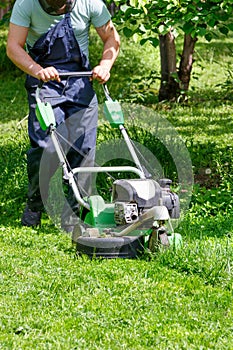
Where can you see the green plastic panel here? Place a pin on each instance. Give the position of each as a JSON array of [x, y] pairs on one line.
[[113, 113], [100, 214], [45, 115]]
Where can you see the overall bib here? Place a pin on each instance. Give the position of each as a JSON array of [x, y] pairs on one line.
[[75, 107]]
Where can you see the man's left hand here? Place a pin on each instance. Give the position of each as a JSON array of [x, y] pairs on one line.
[[101, 74]]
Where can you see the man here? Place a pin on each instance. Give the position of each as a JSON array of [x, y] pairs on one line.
[[55, 35]]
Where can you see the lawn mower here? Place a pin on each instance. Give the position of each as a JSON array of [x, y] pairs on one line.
[[140, 213]]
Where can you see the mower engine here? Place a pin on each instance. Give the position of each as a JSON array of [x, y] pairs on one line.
[[134, 197]]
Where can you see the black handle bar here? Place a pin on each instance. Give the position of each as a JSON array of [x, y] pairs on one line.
[[76, 74], [81, 75], [68, 75]]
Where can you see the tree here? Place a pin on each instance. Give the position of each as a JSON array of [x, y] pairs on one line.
[[161, 21], [5, 8]]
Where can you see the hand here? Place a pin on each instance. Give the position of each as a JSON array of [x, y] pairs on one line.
[[49, 73], [101, 74]]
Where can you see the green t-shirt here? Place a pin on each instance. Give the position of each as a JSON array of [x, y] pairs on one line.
[[30, 14]]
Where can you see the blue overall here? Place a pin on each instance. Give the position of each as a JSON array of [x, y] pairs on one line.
[[75, 109]]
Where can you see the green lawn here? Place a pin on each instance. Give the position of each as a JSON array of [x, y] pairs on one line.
[[50, 299]]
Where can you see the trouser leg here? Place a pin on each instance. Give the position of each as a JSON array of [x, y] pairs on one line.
[[39, 175], [82, 127], [79, 129]]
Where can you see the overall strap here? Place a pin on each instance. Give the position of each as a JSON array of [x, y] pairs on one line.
[[59, 47]]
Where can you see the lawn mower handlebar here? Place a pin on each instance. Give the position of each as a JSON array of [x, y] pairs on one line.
[[83, 74], [76, 74]]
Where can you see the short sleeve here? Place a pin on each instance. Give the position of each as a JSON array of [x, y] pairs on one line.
[[21, 13], [99, 13]]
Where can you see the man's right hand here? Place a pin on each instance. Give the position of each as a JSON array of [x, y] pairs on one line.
[[48, 73]]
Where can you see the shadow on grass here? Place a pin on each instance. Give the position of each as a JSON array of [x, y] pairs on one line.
[[221, 47]]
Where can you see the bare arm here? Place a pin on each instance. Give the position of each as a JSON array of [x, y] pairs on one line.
[[111, 41], [15, 51]]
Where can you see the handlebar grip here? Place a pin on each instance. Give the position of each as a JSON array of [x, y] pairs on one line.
[[75, 74], [66, 75]]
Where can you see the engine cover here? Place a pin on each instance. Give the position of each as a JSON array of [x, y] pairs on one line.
[[145, 192]]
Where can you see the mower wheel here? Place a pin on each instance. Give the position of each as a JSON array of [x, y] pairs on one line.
[[112, 247]]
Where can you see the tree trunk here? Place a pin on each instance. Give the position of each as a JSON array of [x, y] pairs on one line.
[[169, 87], [186, 62], [112, 7]]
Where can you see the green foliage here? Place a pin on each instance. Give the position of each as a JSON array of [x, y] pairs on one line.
[[7, 6], [5, 3], [149, 18], [207, 203], [150, 21]]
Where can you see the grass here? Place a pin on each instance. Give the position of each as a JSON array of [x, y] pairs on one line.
[[50, 299], [54, 301]]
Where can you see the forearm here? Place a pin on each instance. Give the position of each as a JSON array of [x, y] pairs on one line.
[[15, 51], [110, 51], [111, 41], [22, 60]]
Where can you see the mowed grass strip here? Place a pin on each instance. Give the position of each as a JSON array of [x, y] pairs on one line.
[[54, 300]]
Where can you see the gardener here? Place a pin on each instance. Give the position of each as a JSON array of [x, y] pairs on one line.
[[55, 34]]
